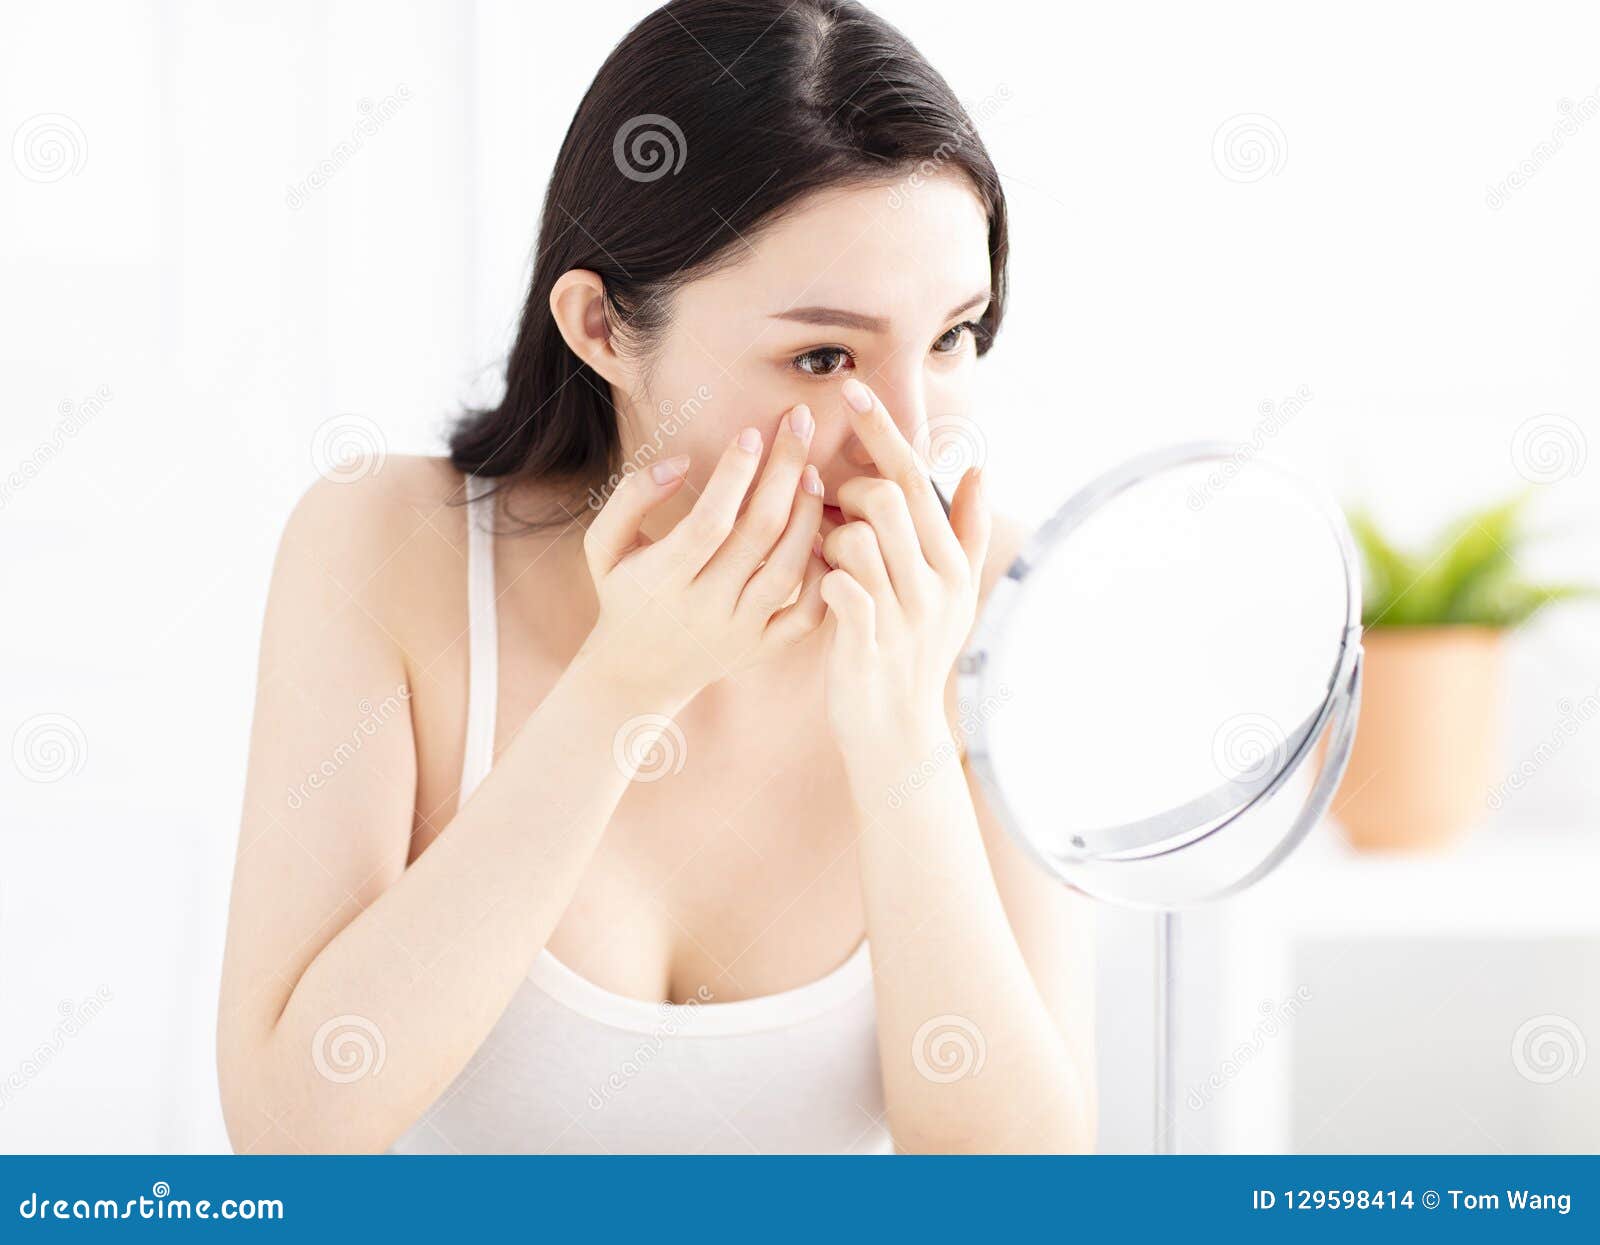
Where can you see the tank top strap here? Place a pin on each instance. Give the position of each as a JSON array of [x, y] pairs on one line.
[[483, 656]]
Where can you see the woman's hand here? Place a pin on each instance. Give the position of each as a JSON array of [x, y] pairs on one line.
[[901, 597], [714, 594]]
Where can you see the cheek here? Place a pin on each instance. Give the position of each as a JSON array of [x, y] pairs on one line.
[[952, 391], [693, 417], [953, 376], [684, 413], [705, 421]]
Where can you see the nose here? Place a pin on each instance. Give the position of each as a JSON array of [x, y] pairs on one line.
[[856, 454], [903, 394]]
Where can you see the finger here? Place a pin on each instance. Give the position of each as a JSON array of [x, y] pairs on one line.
[[614, 532], [897, 461], [882, 504], [770, 588], [804, 615], [852, 607], [971, 521], [854, 548], [700, 533], [771, 506]]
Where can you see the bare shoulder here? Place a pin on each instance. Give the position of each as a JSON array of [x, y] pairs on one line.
[[387, 503], [378, 541]]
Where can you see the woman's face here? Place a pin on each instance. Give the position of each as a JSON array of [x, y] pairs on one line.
[[883, 283]]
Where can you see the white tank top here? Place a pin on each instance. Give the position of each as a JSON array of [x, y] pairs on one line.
[[571, 1067]]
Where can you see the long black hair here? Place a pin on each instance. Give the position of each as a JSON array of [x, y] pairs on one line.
[[704, 123]]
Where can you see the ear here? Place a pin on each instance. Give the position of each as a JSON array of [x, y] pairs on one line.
[[578, 303]]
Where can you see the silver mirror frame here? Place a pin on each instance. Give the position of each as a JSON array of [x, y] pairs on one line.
[[1336, 716]]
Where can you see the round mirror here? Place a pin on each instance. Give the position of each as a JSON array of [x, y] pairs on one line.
[[1147, 685]]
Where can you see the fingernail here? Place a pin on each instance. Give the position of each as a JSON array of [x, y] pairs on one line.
[[750, 439], [816, 545], [857, 395], [811, 481], [977, 483], [669, 469], [800, 421]]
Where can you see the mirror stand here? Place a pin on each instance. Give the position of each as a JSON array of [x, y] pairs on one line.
[[1165, 1132]]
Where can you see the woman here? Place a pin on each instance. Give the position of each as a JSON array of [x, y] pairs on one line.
[[727, 885]]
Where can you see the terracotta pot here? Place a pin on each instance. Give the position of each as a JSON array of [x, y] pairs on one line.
[[1426, 743]]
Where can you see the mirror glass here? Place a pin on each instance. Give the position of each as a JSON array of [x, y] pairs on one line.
[[1153, 675]]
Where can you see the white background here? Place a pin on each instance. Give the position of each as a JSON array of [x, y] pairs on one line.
[[1160, 293]]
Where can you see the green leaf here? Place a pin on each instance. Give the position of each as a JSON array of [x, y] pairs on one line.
[[1470, 577], [1511, 602], [1479, 549], [1385, 570]]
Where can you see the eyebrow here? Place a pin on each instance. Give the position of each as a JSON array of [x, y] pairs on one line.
[[855, 320]]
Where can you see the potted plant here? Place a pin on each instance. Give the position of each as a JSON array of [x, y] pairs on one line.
[[1434, 622]]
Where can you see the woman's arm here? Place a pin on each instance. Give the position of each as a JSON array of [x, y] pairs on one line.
[[981, 1043], [355, 988], [1054, 925], [1055, 930], [974, 1059], [340, 956]]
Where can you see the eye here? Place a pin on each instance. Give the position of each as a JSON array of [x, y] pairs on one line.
[[950, 340], [824, 361]]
